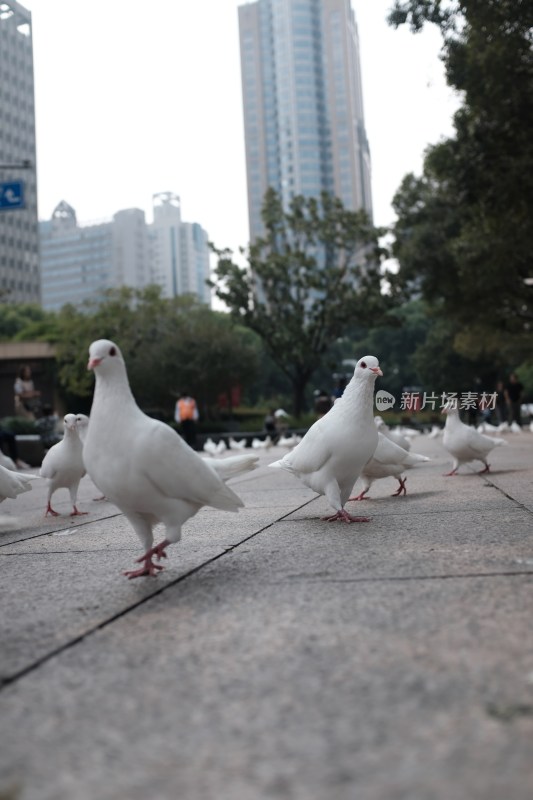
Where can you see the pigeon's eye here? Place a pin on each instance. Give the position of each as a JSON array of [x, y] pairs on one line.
[[363, 364], [112, 351]]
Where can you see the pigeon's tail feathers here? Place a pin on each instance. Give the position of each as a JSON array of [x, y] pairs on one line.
[[415, 458], [234, 465], [225, 499]]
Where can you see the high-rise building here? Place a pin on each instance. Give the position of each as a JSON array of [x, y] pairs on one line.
[[303, 105], [19, 227], [80, 262], [180, 250]]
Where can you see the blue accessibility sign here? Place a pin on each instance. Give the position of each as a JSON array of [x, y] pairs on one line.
[[11, 195]]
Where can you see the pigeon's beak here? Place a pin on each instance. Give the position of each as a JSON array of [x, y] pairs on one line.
[[377, 371], [93, 362]]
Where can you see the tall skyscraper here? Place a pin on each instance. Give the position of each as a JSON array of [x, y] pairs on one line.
[[303, 105], [180, 250], [19, 227]]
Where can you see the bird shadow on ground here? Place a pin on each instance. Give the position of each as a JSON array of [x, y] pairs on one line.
[[390, 498]]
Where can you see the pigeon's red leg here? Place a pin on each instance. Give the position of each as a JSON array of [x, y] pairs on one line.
[[50, 510], [149, 567], [401, 488], [360, 496], [482, 471], [345, 517], [76, 513], [453, 472]]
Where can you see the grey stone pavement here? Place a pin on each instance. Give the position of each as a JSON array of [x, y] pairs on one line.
[[278, 655]]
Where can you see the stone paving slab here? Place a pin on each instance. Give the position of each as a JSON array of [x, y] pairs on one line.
[[278, 655]]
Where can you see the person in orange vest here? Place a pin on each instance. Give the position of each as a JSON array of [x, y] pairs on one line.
[[186, 415]]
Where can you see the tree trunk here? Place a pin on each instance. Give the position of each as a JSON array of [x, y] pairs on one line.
[[299, 384]]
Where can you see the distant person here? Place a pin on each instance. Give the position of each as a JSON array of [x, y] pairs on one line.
[[513, 395], [282, 422], [47, 426], [186, 415], [500, 405], [27, 397], [322, 403], [270, 425]]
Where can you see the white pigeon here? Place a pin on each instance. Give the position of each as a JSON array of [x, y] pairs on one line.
[[389, 460], [262, 444], [214, 449], [82, 424], [515, 427], [331, 455], [465, 443], [289, 441], [236, 444], [14, 483], [142, 465], [394, 436], [63, 465], [435, 431]]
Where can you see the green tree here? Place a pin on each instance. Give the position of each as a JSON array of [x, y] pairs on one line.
[[464, 237], [168, 345], [316, 268]]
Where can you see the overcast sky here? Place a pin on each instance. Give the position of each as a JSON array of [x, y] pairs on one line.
[[137, 97]]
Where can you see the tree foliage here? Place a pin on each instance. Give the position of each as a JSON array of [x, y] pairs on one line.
[[169, 345], [464, 236], [315, 270]]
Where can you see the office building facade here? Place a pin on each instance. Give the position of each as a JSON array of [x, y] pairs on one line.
[[19, 227], [80, 262], [302, 101]]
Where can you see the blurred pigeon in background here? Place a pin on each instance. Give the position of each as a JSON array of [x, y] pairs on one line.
[[389, 460], [465, 443], [63, 465]]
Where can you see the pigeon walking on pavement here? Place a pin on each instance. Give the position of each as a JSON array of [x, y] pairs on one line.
[[389, 460], [331, 455], [142, 465], [465, 443], [63, 465]]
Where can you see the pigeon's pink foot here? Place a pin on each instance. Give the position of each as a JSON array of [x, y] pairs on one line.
[[345, 517], [76, 513], [50, 510], [482, 471], [401, 488], [448, 474], [150, 569], [361, 496]]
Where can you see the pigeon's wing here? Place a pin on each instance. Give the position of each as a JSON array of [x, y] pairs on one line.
[[311, 454], [177, 471], [480, 444], [388, 452], [51, 462]]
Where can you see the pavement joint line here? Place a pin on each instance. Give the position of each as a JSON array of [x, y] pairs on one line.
[[390, 578], [51, 532], [10, 679]]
